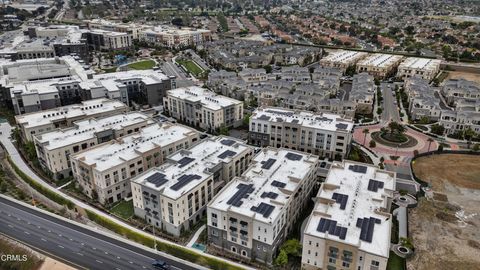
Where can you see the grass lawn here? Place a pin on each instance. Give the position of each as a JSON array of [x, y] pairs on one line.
[[147, 64], [110, 70], [395, 262], [191, 67], [123, 209]]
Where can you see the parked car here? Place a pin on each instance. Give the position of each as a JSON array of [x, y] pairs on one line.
[[159, 264]]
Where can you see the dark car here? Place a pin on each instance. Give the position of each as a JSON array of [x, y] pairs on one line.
[[158, 264]]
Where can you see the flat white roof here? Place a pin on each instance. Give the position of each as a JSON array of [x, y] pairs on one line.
[[323, 121], [206, 97], [108, 155], [349, 199], [146, 76], [85, 109], [380, 60], [267, 185], [420, 63], [342, 56], [87, 129], [194, 164]]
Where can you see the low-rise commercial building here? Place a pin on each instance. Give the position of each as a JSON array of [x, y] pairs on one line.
[[323, 134], [104, 171], [173, 197], [253, 214], [379, 65], [203, 108], [350, 225], [31, 124], [342, 59], [55, 147], [419, 67]]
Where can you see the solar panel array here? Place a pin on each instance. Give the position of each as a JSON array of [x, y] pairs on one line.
[[323, 118], [185, 161], [227, 142], [340, 199], [242, 192], [289, 114], [184, 180], [358, 168], [271, 195], [367, 226], [374, 185], [295, 121], [157, 179], [268, 164], [263, 208], [226, 154], [330, 226], [341, 126], [293, 156], [264, 117], [279, 184]]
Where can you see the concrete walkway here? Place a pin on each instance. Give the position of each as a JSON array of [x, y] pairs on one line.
[[6, 129], [196, 235]]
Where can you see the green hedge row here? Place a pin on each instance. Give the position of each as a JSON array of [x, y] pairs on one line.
[[176, 251], [38, 187]]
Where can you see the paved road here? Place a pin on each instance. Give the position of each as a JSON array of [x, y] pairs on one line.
[[390, 109], [75, 244]]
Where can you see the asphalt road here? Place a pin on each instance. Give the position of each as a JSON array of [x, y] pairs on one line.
[[390, 109], [72, 243]]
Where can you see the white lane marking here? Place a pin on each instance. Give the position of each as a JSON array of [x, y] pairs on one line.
[[70, 239], [44, 240], [106, 252], [118, 257], [130, 262], [83, 244], [79, 253], [27, 233], [99, 261], [94, 248], [10, 226], [60, 246]]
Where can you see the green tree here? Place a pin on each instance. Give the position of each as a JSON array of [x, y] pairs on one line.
[[350, 71], [282, 258], [292, 247], [372, 144], [246, 120], [476, 147], [365, 132], [430, 140], [223, 130], [437, 129]]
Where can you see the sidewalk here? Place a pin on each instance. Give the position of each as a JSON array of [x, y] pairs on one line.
[[196, 235], [5, 129]]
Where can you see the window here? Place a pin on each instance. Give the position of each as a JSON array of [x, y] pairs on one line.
[[346, 264], [375, 263]]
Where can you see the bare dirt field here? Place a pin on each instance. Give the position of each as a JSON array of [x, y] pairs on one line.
[[464, 75], [445, 227]]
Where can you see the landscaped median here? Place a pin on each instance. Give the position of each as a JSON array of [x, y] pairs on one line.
[[38, 187], [174, 250]]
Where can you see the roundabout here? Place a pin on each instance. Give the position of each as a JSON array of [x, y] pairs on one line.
[[403, 141]]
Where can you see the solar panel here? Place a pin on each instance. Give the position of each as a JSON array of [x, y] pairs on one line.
[[267, 164], [184, 161], [295, 121], [264, 117], [263, 208], [276, 183], [271, 195], [330, 226], [242, 192], [227, 142], [374, 185], [367, 226], [226, 154], [157, 179], [340, 199], [323, 118], [280, 112], [293, 156], [341, 126], [358, 168], [184, 180]]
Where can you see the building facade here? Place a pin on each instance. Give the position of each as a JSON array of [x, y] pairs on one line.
[[419, 67]]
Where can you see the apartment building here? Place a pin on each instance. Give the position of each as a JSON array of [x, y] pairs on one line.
[[130, 28], [460, 120], [421, 67], [350, 225], [363, 92], [173, 197], [171, 37], [422, 99], [31, 124], [323, 134], [460, 89], [55, 147], [203, 108], [343, 108], [252, 215], [379, 65], [104, 171], [342, 59], [104, 40]]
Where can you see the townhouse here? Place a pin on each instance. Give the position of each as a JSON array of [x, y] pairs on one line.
[[173, 197], [423, 99], [422, 67], [363, 92], [379, 65], [458, 89], [342, 59]]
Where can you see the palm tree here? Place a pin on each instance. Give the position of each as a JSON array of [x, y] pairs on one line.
[[365, 132], [430, 140]]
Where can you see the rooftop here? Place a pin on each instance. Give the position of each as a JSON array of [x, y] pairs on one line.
[[324, 121], [188, 168], [342, 56], [204, 96], [380, 60], [264, 189], [420, 63], [350, 207]]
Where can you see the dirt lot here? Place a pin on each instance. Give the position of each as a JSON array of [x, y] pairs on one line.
[[445, 228], [464, 75]]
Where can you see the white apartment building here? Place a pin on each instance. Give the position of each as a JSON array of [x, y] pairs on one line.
[[420, 67], [44, 121], [171, 37], [350, 225], [322, 134], [203, 108], [104, 171], [342, 59], [379, 65], [54, 148], [252, 215], [100, 39], [173, 197]]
